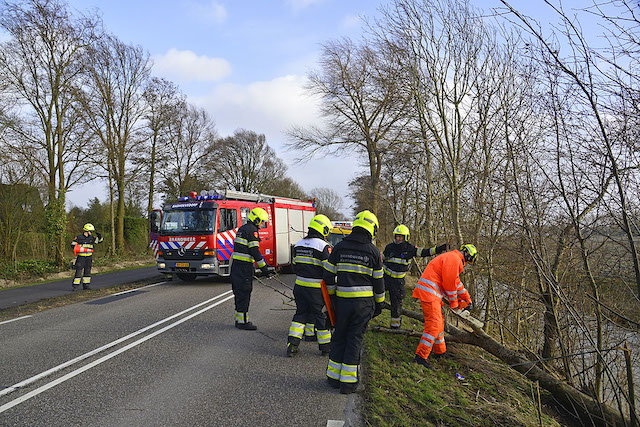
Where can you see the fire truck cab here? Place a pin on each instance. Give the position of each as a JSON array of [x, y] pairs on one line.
[[194, 235]]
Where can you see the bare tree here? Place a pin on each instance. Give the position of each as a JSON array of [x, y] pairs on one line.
[[245, 162], [362, 104], [116, 109], [191, 131], [328, 202], [41, 65]]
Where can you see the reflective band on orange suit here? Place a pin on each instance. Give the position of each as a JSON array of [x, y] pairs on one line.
[[433, 335]]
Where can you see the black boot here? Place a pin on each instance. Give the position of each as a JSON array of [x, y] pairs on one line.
[[292, 350], [246, 326], [333, 382], [420, 361], [348, 388]]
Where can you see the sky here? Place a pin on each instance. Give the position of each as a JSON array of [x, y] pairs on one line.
[[245, 62]]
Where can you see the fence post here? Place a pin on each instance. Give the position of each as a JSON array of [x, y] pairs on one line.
[[633, 414]]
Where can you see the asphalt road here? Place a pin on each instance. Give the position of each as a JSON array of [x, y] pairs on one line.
[[29, 294], [166, 354]]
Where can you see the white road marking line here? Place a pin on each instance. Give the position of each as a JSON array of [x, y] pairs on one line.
[[104, 347], [137, 289], [104, 358], [335, 423], [13, 320]]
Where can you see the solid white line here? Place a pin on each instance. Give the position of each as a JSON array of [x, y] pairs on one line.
[[104, 358], [104, 347], [137, 289], [335, 423], [13, 320]]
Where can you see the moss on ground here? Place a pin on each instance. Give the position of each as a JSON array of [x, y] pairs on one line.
[[400, 392]]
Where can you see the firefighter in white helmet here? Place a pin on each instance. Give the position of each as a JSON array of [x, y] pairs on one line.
[[246, 251], [397, 257], [309, 257], [83, 248]]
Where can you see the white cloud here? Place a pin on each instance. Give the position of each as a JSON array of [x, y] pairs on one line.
[[350, 21], [212, 12], [186, 66], [272, 107]]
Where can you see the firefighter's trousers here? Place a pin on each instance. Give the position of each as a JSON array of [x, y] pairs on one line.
[[433, 334], [352, 317], [242, 285], [83, 271], [309, 318], [397, 292]]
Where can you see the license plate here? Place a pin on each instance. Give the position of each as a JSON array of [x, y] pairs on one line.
[[182, 264]]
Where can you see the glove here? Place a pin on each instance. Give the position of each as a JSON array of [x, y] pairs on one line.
[[462, 304], [441, 248], [268, 271], [98, 235], [378, 309]]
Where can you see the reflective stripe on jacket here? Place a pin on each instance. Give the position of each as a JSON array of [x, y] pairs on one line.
[[246, 246], [354, 268], [441, 279], [309, 257], [397, 258]]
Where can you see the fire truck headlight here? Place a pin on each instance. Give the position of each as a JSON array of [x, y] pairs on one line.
[[205, 266], [161, 265]]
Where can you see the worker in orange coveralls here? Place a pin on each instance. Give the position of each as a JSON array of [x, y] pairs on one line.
[[441, 279]]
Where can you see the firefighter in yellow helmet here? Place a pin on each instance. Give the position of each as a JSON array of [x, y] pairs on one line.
[[246, 251], [309, 257], [397, 257], [353, 273], [83, 248]]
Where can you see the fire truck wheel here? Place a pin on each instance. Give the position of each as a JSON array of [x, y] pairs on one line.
[[187, 277]]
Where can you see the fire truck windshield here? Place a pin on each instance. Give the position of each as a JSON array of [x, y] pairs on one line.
[[183, 221]]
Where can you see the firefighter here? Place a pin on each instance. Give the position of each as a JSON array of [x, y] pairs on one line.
[[309, 257], [83, 248], [245, 252], [353, 274], [441, 279], [397, 257]]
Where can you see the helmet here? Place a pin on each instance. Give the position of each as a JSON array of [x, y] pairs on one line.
[[368, 221], [258, 215], [402, 230], [470, 253], [88, 227], [321, 224]]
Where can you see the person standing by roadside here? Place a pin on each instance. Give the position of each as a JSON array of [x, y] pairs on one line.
[[83, 248]]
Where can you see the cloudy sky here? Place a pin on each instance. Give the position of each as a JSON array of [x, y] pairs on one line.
[[245, 61]]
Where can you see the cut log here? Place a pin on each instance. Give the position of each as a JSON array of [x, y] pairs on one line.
[[586, 407]]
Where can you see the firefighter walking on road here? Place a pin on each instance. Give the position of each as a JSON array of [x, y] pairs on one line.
[[246, 251], [354, 274], [83, 248], [309, 258], [397, 257], [441, 279]]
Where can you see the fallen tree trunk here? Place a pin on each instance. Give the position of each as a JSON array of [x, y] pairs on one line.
[[586, 407]]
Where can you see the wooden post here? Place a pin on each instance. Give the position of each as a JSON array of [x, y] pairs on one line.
[[633, 414]]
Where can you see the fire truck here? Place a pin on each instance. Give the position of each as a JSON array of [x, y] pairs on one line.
[[194, 235]]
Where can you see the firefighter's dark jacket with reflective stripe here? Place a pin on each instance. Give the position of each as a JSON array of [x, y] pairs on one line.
[[397, 257], [246, 246], [354, 268], [86, 242], [309, 258]]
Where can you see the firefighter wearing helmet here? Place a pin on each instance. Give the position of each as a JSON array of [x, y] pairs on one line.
[[397, 257], [83, 249], [245, 252], [353, 274], [310, 255], [441, 280]]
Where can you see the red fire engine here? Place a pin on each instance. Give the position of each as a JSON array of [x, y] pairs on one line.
[[194, 235]]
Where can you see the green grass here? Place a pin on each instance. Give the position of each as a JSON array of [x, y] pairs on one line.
[[399, 392]]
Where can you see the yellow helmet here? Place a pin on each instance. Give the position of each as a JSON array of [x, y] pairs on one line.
[[470, 253], [321, 224], [402, 230], [258, 215], [368, 221], [88, 227]]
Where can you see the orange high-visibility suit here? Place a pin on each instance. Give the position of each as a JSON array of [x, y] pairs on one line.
[[441, 279]]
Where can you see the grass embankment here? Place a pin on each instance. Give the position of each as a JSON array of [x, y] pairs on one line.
[[399, 392]]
